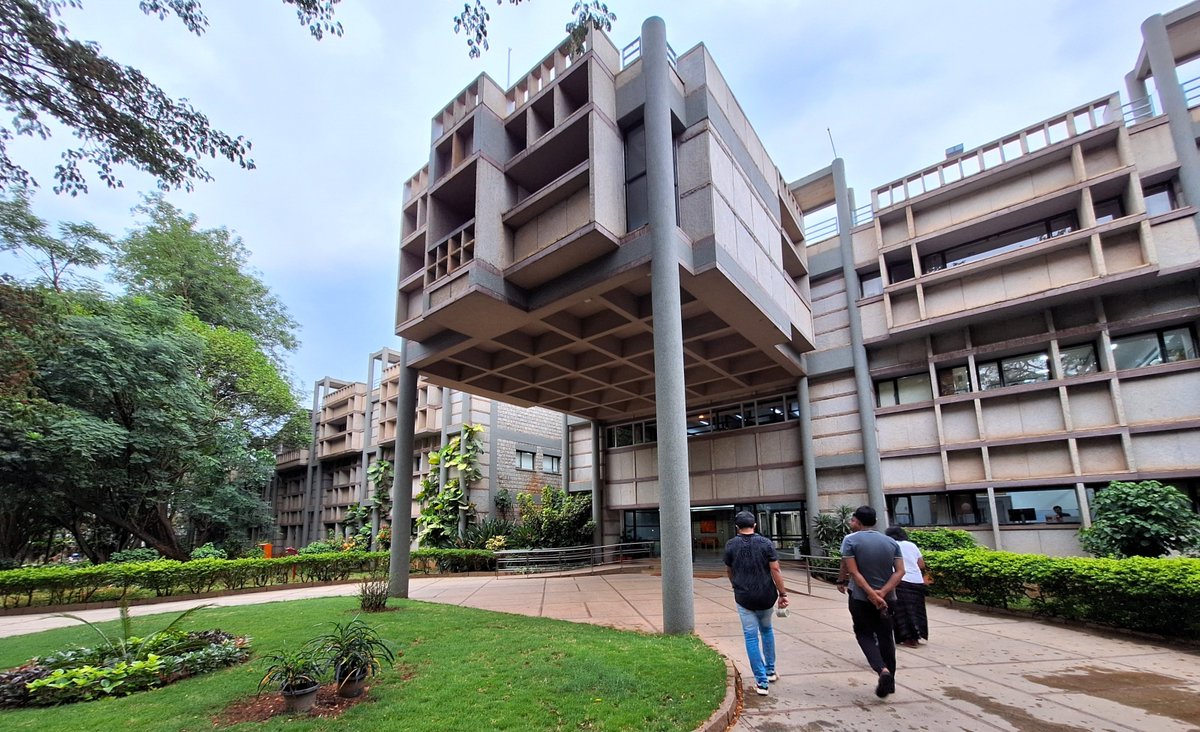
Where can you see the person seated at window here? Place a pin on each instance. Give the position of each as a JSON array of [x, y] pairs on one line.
[[1059, 516]]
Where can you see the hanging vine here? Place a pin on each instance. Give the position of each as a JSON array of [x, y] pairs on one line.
[[442, 505]]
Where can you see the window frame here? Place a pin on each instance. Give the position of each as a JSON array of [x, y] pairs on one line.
[[518, 461]]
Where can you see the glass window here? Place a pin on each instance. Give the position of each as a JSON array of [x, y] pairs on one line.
[[900, 269], [989, 375], [651, 432], [1159, 199], [1178, 344], [1025, 369], [525, 460], [699, 424], [1147, 349], [1131, 352], [954, 380], [1006, 241], [551, 464], [1108, 210], [904, 390], [769, 411], [1079, 360], [870, 284], [1057, 505]]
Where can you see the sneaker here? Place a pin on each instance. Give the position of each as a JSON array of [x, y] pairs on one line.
[[886, 685], [772, 677], [761, 689]]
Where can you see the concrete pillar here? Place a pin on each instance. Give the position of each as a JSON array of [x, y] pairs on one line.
[[808, 455], [670, 403], [312, 494], [1136, 91], [862, 374], [1170, 94], [368, 449], [564, 462], [406, 422], [597, 489]]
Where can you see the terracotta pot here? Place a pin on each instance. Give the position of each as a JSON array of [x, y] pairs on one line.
[[301, 699]]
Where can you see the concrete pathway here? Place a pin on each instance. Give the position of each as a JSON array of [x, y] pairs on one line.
[[979, 672]]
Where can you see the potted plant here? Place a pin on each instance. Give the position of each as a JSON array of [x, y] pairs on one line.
[[355, 651], [297, 674]]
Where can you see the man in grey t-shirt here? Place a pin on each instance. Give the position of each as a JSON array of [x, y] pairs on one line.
[[872, 566]]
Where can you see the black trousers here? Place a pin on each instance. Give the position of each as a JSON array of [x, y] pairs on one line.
[[873, 630]]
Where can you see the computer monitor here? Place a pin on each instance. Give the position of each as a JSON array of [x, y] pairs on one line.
[[1021, 515]]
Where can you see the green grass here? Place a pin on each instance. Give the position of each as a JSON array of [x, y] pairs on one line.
[[457, 669]]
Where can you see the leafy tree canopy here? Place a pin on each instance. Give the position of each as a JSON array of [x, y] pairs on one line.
[[473, 23], [205, 268], [1146, 519], [77, 246], [118, 115]]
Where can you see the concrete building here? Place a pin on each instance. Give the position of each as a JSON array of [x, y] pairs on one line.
[[523, 450], [981, 345]]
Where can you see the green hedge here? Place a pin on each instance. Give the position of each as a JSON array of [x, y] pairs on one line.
[[940, 540], [1151, 595], [69, 584]]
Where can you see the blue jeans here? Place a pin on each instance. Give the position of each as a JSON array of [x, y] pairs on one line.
[[757, 623]]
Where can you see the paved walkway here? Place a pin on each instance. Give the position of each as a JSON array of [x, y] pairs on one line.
[[980, 671]]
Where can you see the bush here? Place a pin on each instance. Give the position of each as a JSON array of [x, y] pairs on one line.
[[1138, 593], [478, 535], [561, 519], [830, 528], [1146, 519], [453, 560], [144, 554], [940, 540], [373, 594], [208, 551], [322, 547]]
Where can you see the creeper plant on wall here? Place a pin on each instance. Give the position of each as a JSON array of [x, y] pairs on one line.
[[443, 505]]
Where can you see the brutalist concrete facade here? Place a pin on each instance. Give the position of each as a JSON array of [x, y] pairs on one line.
[[981, 344], [523, 450]]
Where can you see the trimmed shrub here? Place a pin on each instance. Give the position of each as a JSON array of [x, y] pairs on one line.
[[145, 554], [1138, 593], [940, 540], [208, 551]]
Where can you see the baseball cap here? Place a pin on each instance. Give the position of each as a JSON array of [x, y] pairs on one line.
[[744, 520]]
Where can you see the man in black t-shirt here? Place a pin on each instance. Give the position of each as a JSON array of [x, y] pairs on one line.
[[753, 569]]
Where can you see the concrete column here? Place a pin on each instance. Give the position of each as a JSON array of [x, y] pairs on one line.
[[312, 496], [564, 462], [862, 374], [991, 497], [670, 403], [367, 450], [406, 422], [808, 455], [1136, 91], [597, 489], [1170, 93]]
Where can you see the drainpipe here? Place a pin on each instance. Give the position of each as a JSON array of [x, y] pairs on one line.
[[670, 403]]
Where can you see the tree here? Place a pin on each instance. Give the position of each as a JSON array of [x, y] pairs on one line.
[[208, 269], [473, 23], [1146, 519], [119, 116], [76, 246]]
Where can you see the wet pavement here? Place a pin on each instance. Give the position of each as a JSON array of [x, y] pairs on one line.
[[979, 671]]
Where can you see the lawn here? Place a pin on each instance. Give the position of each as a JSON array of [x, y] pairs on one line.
[[456, 669]]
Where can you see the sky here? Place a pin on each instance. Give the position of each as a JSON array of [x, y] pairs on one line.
[[339, 125]]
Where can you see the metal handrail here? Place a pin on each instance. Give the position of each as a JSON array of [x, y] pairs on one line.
[[821, 231], [1191, 91], [633, 51], [813, 566], [863, 214], [1137, 110], [557, 559]]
